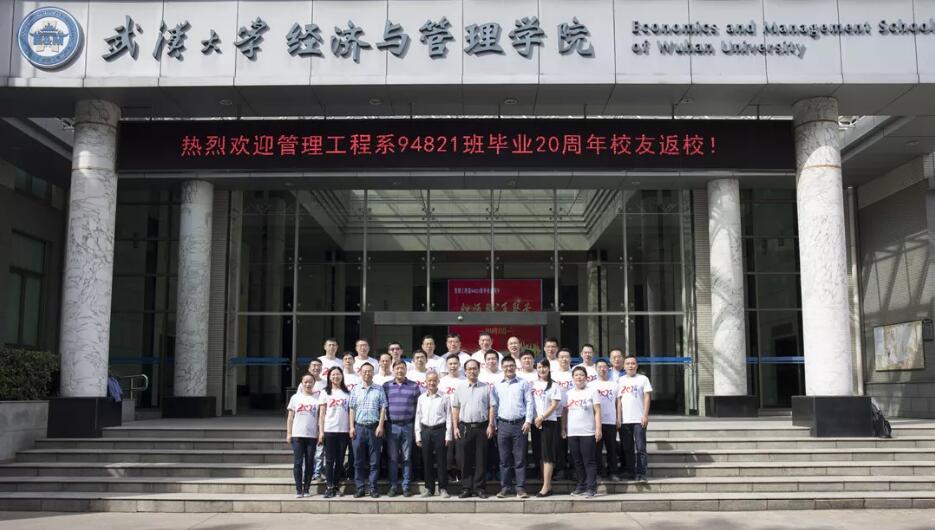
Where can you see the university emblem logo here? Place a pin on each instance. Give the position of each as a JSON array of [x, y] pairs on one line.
[[49, 37]]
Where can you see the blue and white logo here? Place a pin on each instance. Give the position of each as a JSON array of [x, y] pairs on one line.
[[49, 37]]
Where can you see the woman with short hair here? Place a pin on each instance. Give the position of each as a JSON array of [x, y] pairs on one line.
[[581, 425], [334, 428]]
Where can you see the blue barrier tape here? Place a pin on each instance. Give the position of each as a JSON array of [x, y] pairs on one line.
[[792, 359]]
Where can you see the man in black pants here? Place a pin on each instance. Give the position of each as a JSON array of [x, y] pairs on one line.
[[472, 416]]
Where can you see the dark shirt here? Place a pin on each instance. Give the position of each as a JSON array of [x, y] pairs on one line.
[[401, 400]]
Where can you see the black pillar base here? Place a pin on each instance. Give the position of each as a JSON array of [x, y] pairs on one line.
[[731, 406], [82, 417], [188, 407], [829, 416]]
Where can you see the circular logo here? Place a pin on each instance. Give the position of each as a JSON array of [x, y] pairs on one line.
[[49, 37]]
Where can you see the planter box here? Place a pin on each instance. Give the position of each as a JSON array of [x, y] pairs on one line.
[[21, 423]]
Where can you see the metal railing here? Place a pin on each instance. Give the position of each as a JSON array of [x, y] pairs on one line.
[[135, 383]]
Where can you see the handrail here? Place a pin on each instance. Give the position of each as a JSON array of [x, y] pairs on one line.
[[133, 387]]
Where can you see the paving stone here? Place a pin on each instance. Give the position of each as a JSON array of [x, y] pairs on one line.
[[65, 505], [500, 506], [159, 505], [208, 506], [112, 505], [734, 505], [790, 504], [353, 507], [644, 506], [693, 506], [872, 503], [257, 506], [305, 506]]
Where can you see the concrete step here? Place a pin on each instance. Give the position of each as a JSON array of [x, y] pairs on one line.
[[283, 485], [284, 455], [654, 443], [274, 503], [199, 469]]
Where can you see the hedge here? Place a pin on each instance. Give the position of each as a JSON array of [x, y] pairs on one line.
[[25, 374]]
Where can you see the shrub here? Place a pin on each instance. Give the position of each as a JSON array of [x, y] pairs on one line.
[[25, 374]]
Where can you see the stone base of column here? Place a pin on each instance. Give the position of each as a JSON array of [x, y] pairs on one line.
[[82, 417], [831, 416], [731, 406], [188, 407]]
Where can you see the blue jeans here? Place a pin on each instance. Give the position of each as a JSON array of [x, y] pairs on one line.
[[366, 451], [511, 442], [633, 439], [399, 444], [303, 462]]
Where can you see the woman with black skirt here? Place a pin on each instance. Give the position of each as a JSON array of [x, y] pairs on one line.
[[547, 398]]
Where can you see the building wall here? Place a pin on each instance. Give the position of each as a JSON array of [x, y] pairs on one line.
[[704, 340], [41, 220], [897, 237]]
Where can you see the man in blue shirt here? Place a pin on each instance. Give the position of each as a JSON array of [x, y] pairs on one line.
[[367, 414], [401, 398], [512, 400]]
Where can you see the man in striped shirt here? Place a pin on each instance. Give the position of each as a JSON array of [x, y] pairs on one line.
[[401, 397]]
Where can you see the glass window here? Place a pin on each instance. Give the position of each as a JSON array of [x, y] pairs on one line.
[[777, 291], [32, 305], [655, 287], [12, 317], [27, 253], [653, 238]]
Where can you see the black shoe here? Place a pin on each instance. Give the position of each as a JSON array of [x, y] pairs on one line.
[[374, 494], [359, 493], [329, 493], [481, 494], [393, 492], [465, 494], [546, 494], [407, 492]]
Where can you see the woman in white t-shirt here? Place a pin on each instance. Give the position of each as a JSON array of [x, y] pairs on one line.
[[302, 433], [581, 425], [334, 426], [546, 437]]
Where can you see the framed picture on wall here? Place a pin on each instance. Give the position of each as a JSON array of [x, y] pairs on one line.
[[899, 346]]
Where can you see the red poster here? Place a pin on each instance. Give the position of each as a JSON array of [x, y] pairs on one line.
[[509, 295]]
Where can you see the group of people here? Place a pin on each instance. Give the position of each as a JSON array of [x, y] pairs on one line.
[[471, 415]]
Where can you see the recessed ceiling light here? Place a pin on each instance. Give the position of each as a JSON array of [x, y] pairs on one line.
[[510, 101], [376, 102], [225, 102]]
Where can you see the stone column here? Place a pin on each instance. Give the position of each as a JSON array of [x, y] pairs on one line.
[[87, 282], [822, 250], [728, 317], [194, 279], [829, 407], [191, 323], [89, 251]]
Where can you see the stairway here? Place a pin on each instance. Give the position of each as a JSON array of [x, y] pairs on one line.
[[244, 465]]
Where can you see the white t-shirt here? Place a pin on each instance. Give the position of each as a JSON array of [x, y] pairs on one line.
[[418, 378], [532, 376], [336, 410], [351, 381], [481, 356], [448, 384], [370, 360], [579, 405], [438, 364], [379, 379], [563, 379], [465, 357], [327, 364], [491, 378], [607, 392], [630, 391], [305, 420], [592, 371], [542, 399]]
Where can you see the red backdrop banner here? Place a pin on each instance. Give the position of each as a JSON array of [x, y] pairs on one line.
[[509, 296]]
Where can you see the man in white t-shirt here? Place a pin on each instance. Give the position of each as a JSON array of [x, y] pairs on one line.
[[561, 374], [514, 347], [550, 348], [385, 371], [485, 342], [616, 364], [607, 393], [634, 393], [527, 369], [351, 379], [587, 361], [330, 359], [419, 370], [453, 343], [491, 373], [432, 361], [362, 346]]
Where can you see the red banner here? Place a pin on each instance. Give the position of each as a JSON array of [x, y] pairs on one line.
[[509, 296]]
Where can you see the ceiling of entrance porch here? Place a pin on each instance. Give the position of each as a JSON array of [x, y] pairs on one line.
[[461, 220]]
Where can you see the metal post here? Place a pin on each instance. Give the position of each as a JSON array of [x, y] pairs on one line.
[[365, 264], [295, 294], [626, 273], [555, 270], [856, 318], [428, 250], [492, 264]]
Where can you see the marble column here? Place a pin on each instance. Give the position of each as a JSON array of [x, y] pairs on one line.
[[87, 283], [822, 249], [194, 280], [728, 326], [274, 281]]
